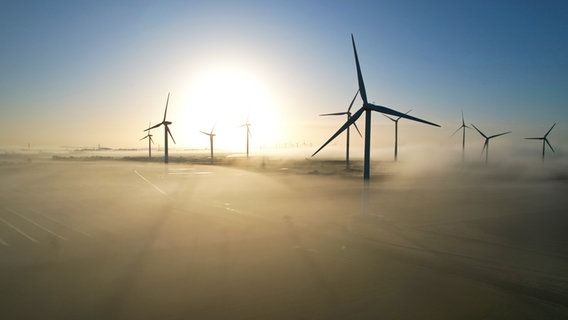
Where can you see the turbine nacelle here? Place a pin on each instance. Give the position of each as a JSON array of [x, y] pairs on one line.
[[398, 118], [486, 143], [545, 141], [146, 137], [167, 131]]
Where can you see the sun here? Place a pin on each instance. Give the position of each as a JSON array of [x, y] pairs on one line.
[[226, 97]]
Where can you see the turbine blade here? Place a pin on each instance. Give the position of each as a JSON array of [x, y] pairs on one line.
[[390, 111], [205, 133], [548, 143], [463, 121], [143, 138], [355, 124], [350, 121], [170, 133], [535, 138], [481, 133], [151, 140], [407, 112], [392, 119], [362, 90], [166, 111], [497, 135], [458, 129], [154, 126], [549, 130], [485, 145], [334, 114], [213, 129], [354, 97]]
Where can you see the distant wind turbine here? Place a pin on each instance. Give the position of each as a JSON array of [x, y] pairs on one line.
[[486, 144], [463, 127], [247, 124], [348, 113], [166, 131], [150, 142], [396, 134], [544, 141], [211, 135], [367, 108]]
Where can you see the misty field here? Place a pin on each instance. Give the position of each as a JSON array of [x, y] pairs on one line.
[[298, 239]]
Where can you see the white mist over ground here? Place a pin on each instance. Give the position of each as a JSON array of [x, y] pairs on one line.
[[93, 236]]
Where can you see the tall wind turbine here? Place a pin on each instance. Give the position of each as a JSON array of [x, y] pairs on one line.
[[348, 113], [150, 142], [396, 134], [247, 124], [463, 127], [211, 135], [486, 144], [367, 108], [544, 141], [166, 130]]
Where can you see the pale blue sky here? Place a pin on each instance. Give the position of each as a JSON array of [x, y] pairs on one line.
[[88, 72]]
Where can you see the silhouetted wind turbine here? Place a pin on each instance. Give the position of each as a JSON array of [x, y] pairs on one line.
[[463, 127], [396, 134], [247, 124], [150, 142], [544, 141], [367, 108], [166, 131], [211, 135], [348, 113], [486, 144]]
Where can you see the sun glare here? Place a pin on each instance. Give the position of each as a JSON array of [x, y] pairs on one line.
[[228, 97]]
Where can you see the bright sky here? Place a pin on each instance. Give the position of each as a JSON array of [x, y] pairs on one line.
[[83, 73]]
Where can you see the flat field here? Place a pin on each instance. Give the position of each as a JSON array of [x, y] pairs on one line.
[[289, 240]]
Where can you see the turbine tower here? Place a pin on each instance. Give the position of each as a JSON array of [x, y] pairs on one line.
[[166, 130], [463, 127], [396, 134], [150, 142], [367, 108], [486, 144], [348, 113], [247, 124], [211, 135], [544, 141]]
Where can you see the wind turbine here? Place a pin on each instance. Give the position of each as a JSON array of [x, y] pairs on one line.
[[150, 142], [367, 108], [463, 127], [247, 124], [211, 135], [544, 141], [348, 113], [396, 134], [166, 131], [486, 144]]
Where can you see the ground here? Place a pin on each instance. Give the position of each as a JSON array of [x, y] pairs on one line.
[[109, 239]]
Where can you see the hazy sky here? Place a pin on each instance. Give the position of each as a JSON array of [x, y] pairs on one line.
[[82, 73]]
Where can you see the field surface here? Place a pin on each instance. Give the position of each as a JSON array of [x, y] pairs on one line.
[[134, 240]]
